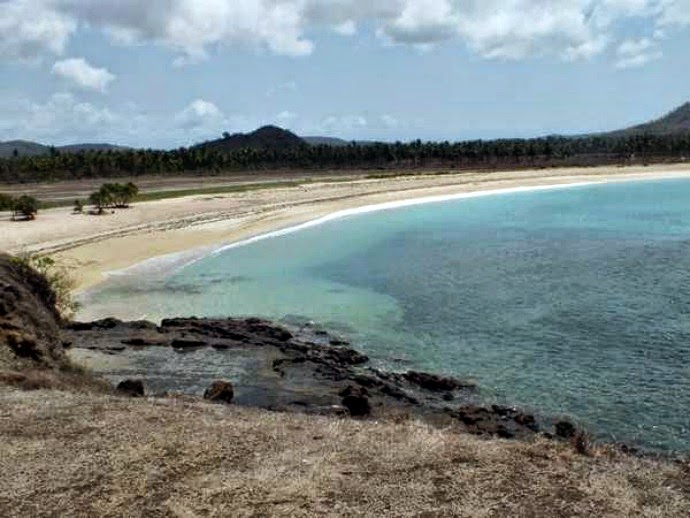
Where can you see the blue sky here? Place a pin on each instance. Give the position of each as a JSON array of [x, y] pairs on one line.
[[165, 73]]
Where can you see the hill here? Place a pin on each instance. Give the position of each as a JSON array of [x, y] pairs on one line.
[[267, 137], [28, 148], [22, 148], [676, 122]]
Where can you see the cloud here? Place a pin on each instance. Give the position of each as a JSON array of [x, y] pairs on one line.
[[83, 75], [29, 30], [200, 114], [286, 117], [636, 53], [493, 29], [63, 119], [60, 116]]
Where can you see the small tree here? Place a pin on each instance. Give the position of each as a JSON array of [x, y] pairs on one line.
[[78, 207], [131, 191], [114, 194], [26, 207], [100, 200]]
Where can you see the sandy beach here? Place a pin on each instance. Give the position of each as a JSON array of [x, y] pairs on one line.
[[93, 245]]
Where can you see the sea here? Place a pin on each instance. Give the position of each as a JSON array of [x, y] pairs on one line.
[[566, 301]]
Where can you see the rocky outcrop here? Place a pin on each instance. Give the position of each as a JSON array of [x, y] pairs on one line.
[[298, 369], [29, 323]]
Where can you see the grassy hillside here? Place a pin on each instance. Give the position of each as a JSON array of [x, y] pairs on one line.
[[66, 454]]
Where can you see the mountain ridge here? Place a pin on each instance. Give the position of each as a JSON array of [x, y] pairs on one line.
[[676, 121]]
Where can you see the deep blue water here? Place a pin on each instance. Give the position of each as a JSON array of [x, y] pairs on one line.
[[570, 302]]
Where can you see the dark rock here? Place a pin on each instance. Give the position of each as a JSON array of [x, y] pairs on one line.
[[337, 342], [143, 325], [351, 390], [131, 388], [367, 381], [565, 429], [356, 400], [399, 394], [358, 406], [220, 392], [187, 343], [434, 382], [347, 356], [142, 342], [498, 421], [80, 326]]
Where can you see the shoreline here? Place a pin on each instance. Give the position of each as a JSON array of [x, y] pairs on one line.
[[199, 225]]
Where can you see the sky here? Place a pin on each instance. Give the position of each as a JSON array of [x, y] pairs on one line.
[[169, 73]]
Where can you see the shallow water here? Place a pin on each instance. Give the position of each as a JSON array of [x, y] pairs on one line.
[[572, 301]]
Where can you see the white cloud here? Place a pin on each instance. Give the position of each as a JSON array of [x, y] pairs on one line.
[[28, 30], [675, 13], [499, 29], [201, 115], [83, 75], [286, 117], [423, 22], [61, 115], [636, 53], [64, 119], [343, 123]]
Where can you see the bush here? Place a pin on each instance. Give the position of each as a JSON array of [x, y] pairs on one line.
[[26, 207], [114, 195]]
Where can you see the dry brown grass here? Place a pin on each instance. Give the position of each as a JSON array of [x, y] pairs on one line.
[[71, 454], [68, 378]]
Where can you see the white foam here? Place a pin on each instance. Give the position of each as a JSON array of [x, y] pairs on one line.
[[393, 205]]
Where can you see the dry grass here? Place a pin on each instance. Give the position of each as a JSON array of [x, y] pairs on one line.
[[71, 454], [69, 378]]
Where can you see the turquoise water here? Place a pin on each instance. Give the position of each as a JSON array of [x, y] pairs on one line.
[[573, 302]]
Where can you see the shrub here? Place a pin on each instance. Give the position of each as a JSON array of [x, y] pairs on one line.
[[25, 206], [114, 195]]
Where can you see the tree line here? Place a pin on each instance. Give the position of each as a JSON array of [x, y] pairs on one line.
[[547, 151]]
